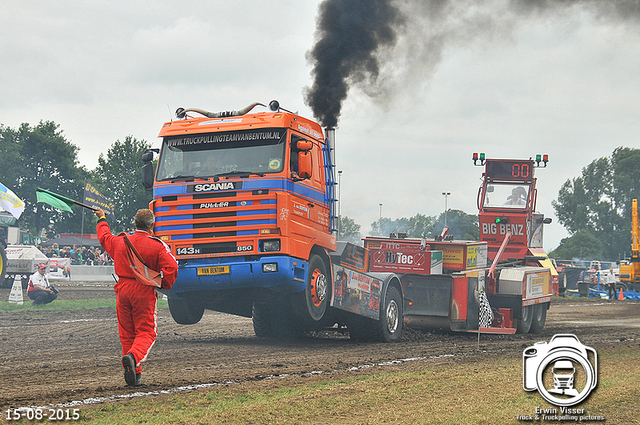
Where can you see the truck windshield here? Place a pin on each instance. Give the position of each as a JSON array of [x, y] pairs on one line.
[[211, 154], [506, 195]]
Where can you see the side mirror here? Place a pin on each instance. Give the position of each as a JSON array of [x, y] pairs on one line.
[[305, 165], [147, 175], [147, 156], [147, 168], [304, 145]]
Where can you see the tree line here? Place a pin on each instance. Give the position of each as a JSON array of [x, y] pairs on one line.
[[41, 156], [594, 207]]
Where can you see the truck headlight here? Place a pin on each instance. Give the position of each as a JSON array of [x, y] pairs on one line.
[[270, 245], [269, 267]]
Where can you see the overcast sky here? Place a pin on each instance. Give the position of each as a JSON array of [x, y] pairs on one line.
[[492, 78]]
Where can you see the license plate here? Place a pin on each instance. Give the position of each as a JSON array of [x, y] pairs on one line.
[[213, 270]]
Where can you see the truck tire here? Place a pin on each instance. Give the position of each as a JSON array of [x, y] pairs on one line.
[[261, 320], [185, 311], [388, 328], [391, 320], [311, 304], [361, 329], [3, 266], [539, 318], [524, 323], [275, 321]]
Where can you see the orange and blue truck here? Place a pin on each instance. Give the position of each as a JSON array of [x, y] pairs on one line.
[[247, 203]]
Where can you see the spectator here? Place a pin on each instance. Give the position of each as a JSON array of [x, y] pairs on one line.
[[40, 291], [76, 256], [611, 281], [104, 257], [90, 256]]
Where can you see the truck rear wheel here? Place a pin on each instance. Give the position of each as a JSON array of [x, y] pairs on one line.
[[185, 311], [524, 323], [274, 321], [539, 318], [388, 328], [311, 304]]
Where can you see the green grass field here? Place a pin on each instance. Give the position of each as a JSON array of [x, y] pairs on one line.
[[484, 392], [60, 305]]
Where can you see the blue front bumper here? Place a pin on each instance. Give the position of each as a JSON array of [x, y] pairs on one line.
[[290, 276]]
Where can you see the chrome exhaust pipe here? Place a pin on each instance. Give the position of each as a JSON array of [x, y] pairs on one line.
[[181, 112], [331, 140]]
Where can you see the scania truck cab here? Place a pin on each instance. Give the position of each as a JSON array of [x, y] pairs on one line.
[[246, 203]]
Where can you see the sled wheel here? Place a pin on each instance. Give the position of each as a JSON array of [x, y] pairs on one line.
[[539, 318], [524, 323]]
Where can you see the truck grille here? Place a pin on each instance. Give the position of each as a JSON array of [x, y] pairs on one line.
[[204, 220]]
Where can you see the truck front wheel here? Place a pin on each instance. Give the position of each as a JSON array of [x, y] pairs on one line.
[[311, 304], [185, 311]]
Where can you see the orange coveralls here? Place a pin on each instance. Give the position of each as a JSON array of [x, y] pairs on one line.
[[135, 302]]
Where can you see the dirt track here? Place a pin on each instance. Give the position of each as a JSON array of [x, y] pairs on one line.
[[53, 357]]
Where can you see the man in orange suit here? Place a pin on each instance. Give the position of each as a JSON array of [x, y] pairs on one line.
[[136, 302]]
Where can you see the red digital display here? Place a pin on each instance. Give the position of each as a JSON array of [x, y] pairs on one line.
[[510, 170]]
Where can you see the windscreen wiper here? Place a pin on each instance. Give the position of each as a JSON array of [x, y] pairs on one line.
[[185, 177], [238, 173]]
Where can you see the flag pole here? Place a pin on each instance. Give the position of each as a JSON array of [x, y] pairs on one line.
[[89, 207], [65, 199], [82, 226]]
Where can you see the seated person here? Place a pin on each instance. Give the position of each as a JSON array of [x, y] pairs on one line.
[[39, 290], [518, 196]]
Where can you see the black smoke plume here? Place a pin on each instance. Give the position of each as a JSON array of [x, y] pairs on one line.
[[349, 34], [396, 45]]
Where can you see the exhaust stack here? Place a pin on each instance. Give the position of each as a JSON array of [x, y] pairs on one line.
[[331, 140]]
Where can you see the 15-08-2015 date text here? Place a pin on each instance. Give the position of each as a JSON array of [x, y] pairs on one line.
[[36, 414]]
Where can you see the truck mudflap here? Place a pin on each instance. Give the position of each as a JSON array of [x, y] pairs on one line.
[[357, 292], [355, 289], [452, 303]]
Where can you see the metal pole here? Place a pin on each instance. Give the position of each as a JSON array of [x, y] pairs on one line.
[[339, 203], [446, 194]]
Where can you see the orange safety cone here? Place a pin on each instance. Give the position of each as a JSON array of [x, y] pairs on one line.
[[620, 296]]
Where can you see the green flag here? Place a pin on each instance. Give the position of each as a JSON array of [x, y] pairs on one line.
[[56, 201]]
